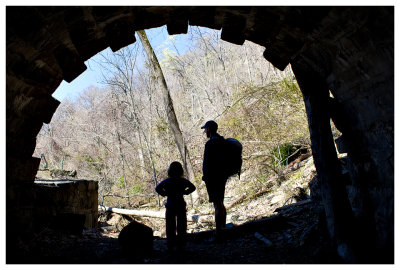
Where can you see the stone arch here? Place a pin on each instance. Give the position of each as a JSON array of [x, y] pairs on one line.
[[347, 50]]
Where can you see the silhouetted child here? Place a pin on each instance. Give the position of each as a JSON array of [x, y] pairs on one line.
[[174, 188]]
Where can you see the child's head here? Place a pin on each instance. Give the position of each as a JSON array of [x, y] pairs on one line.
[[175, 169]]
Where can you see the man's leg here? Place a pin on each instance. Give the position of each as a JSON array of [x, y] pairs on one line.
[[220, 216]]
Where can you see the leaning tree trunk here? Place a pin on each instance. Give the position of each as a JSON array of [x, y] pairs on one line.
[[172, 120]]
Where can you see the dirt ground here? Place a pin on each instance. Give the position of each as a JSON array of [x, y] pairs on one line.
[[295, 237]]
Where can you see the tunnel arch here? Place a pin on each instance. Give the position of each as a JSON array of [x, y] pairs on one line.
[[347, 50]]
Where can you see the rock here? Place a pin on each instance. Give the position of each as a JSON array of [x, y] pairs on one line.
[[315, 189], [123, 222], [293, 224], [195, 218], [57, 173], [118, 221], [290, 201], [158, 233], [308, 235], [263, 239], [229, 225], [299, 194], [136, 240], [277, 199], [341, 144], [236, 218], [288, 236], [114, 220], [109, 229]]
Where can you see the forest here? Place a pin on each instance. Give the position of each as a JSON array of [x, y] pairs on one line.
[[149, 113]]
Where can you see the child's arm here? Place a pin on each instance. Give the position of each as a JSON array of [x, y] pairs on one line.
[[160, 189], [189, 188]]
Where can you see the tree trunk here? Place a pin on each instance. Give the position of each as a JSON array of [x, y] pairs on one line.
[[141, 157], [172, 120], [121, 155], [150, 158], [133, 212]]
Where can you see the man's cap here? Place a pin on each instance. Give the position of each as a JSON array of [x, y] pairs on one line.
[[212, 124]]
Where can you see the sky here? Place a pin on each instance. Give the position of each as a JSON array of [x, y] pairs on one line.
[[158, 38]]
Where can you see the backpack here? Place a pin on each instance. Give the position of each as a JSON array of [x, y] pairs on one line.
[[232, 157]]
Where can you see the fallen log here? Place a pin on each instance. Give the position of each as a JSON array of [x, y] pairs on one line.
[[293, 205], [202, 218], [133, 212]]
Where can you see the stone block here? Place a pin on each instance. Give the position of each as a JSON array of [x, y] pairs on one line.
[[275, 59], [71, 223], [232, 35], [232, 29], [70, 62], [120, 33], [18, 170], [92, 186], [148, 17], [19, 27], [91, 221], [204, 16], [87, 40], [106, 13], [177, 27], [43, 108], [178, 21], [69, 197], [81, 186], [21, 130]]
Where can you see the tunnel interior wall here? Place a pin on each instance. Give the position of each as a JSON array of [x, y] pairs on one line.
[[351, 48], [357, 64]]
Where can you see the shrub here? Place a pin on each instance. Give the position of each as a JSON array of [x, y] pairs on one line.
[[281, 153]]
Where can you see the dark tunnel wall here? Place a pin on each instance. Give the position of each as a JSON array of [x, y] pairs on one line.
[[346, 50]]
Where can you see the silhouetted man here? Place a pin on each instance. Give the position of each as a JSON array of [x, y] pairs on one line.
[[213, 173]]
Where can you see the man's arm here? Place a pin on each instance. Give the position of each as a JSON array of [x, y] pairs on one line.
[[212, 159], [206, 161]]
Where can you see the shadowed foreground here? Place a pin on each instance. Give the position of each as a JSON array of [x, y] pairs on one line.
[[296, 235]]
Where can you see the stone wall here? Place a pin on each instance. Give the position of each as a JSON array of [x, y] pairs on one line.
[[363, 109], [66, 197]]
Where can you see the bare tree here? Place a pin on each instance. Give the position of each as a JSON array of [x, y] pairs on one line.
[[120, 76], [169, 106]]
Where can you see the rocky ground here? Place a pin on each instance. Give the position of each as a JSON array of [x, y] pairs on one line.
[[280, 227], [295, 235]]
